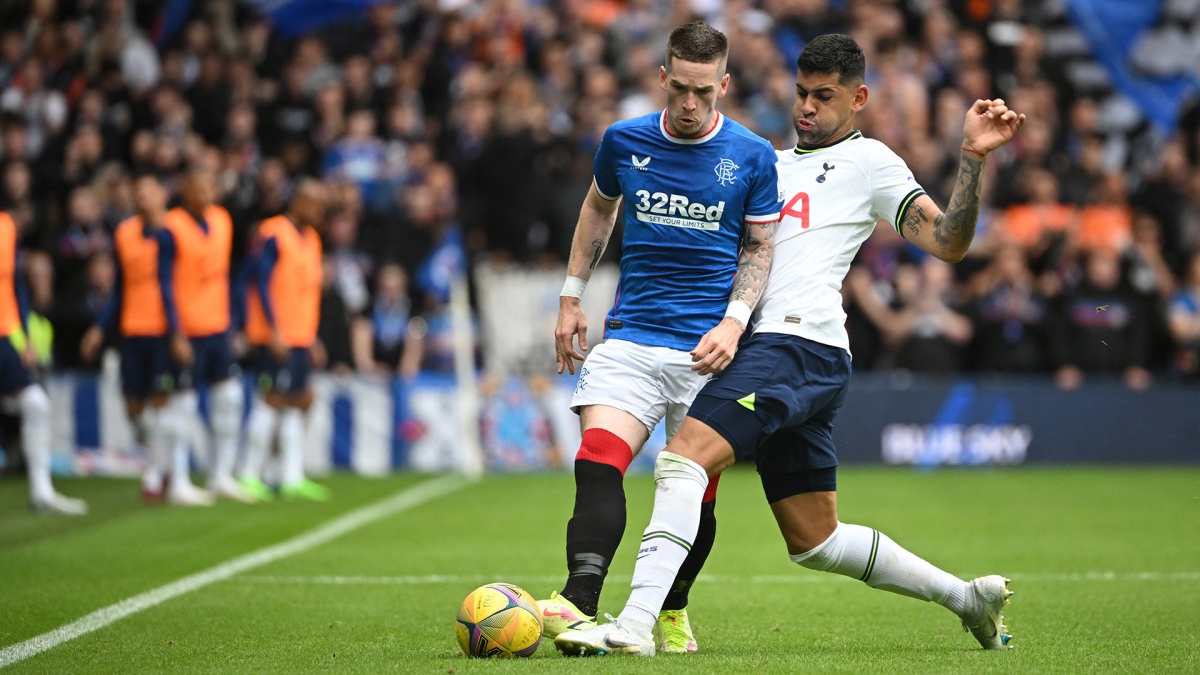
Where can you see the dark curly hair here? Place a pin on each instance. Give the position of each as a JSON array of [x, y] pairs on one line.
[[834, 53]]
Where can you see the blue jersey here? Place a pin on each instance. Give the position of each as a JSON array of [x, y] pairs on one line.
[[686, 203]]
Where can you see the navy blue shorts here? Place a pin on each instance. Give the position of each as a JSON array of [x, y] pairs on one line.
[[212, 360], [776, 402], [146, 367], [289, 377], [14, 376]]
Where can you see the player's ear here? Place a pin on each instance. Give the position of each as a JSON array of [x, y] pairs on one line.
[[860, 98], [724, 85], [662, 77]]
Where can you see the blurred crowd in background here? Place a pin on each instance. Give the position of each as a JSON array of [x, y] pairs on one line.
[[447, 127]]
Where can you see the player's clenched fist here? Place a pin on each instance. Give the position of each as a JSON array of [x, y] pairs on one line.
[[989, 124]]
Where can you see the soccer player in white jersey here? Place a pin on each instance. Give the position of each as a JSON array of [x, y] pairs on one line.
[[701, 207], [778, 399]]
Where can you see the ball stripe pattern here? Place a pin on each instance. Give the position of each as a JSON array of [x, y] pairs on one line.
[[499, 620]]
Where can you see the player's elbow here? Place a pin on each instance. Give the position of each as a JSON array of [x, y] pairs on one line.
[[951, 255]]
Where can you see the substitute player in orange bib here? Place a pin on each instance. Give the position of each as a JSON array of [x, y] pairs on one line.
[[153, 349], [203, 237], [283, 309]]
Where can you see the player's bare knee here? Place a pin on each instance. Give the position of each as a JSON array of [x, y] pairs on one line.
[[804, 541], [303, 400], [134, 408], [669, 465], [806, 546], [275, 399], [228, 393], [35, 404], [703, 445]]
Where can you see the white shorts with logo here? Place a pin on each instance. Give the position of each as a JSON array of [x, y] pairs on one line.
[[650, 383]]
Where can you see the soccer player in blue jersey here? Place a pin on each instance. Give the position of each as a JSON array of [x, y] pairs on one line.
[[778, 399], [701, 206]]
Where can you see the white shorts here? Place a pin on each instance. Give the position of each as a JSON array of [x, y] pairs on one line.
[[649, 383]]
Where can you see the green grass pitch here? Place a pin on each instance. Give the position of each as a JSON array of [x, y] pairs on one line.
[[1105, 563]]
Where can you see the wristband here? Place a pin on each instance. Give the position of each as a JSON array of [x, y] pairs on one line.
[[739, 311], [573, 287], [981, 154]]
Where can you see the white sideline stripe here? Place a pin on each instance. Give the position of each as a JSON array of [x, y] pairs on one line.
[[401, 501], [780, 579]]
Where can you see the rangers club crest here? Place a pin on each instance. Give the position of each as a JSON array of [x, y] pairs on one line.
[[725, 169]]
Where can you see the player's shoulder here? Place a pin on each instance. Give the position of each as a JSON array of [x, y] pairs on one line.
[[176, 216], [635, 126], [131, 223], [875, 151], [216, 209]]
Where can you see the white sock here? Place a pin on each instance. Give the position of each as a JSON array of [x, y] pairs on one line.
[[225, 410], [35, 438], [157, 447], [175, 419], [679, 488], [871, 556], [291, 446], [260, 431]]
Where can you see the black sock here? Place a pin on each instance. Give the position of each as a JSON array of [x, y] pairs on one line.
[[594, 531], [690, 569]]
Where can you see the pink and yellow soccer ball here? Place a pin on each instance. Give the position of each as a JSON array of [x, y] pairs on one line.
[[499, 620]]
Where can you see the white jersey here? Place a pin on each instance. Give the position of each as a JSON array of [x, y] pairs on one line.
[[833, 197]]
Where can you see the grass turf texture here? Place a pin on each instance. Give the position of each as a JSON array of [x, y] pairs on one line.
[[383, 598]]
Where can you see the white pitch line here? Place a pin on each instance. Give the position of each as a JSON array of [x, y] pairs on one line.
[[332, 580], [401, 501]]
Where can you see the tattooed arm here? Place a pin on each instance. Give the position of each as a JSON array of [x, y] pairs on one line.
[[754, 263], [596, 221], [717, 348], [947, 235], [592, 232]]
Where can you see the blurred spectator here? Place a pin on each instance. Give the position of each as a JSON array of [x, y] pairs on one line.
[[1164, 196], [349, 266], [16, 198], [1184, 322], [1040, 222], [360, 157], [1009, 316], [210, 96], [1013, 181], [74, 314], [333, 331], [1150, 276], [39, 271], [1100, 327], [1108, 222], [1080, 181], [864, 313], [929, 334], [83, 157], [114, 190], [43, 110], [84, 236], [389, 339]]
